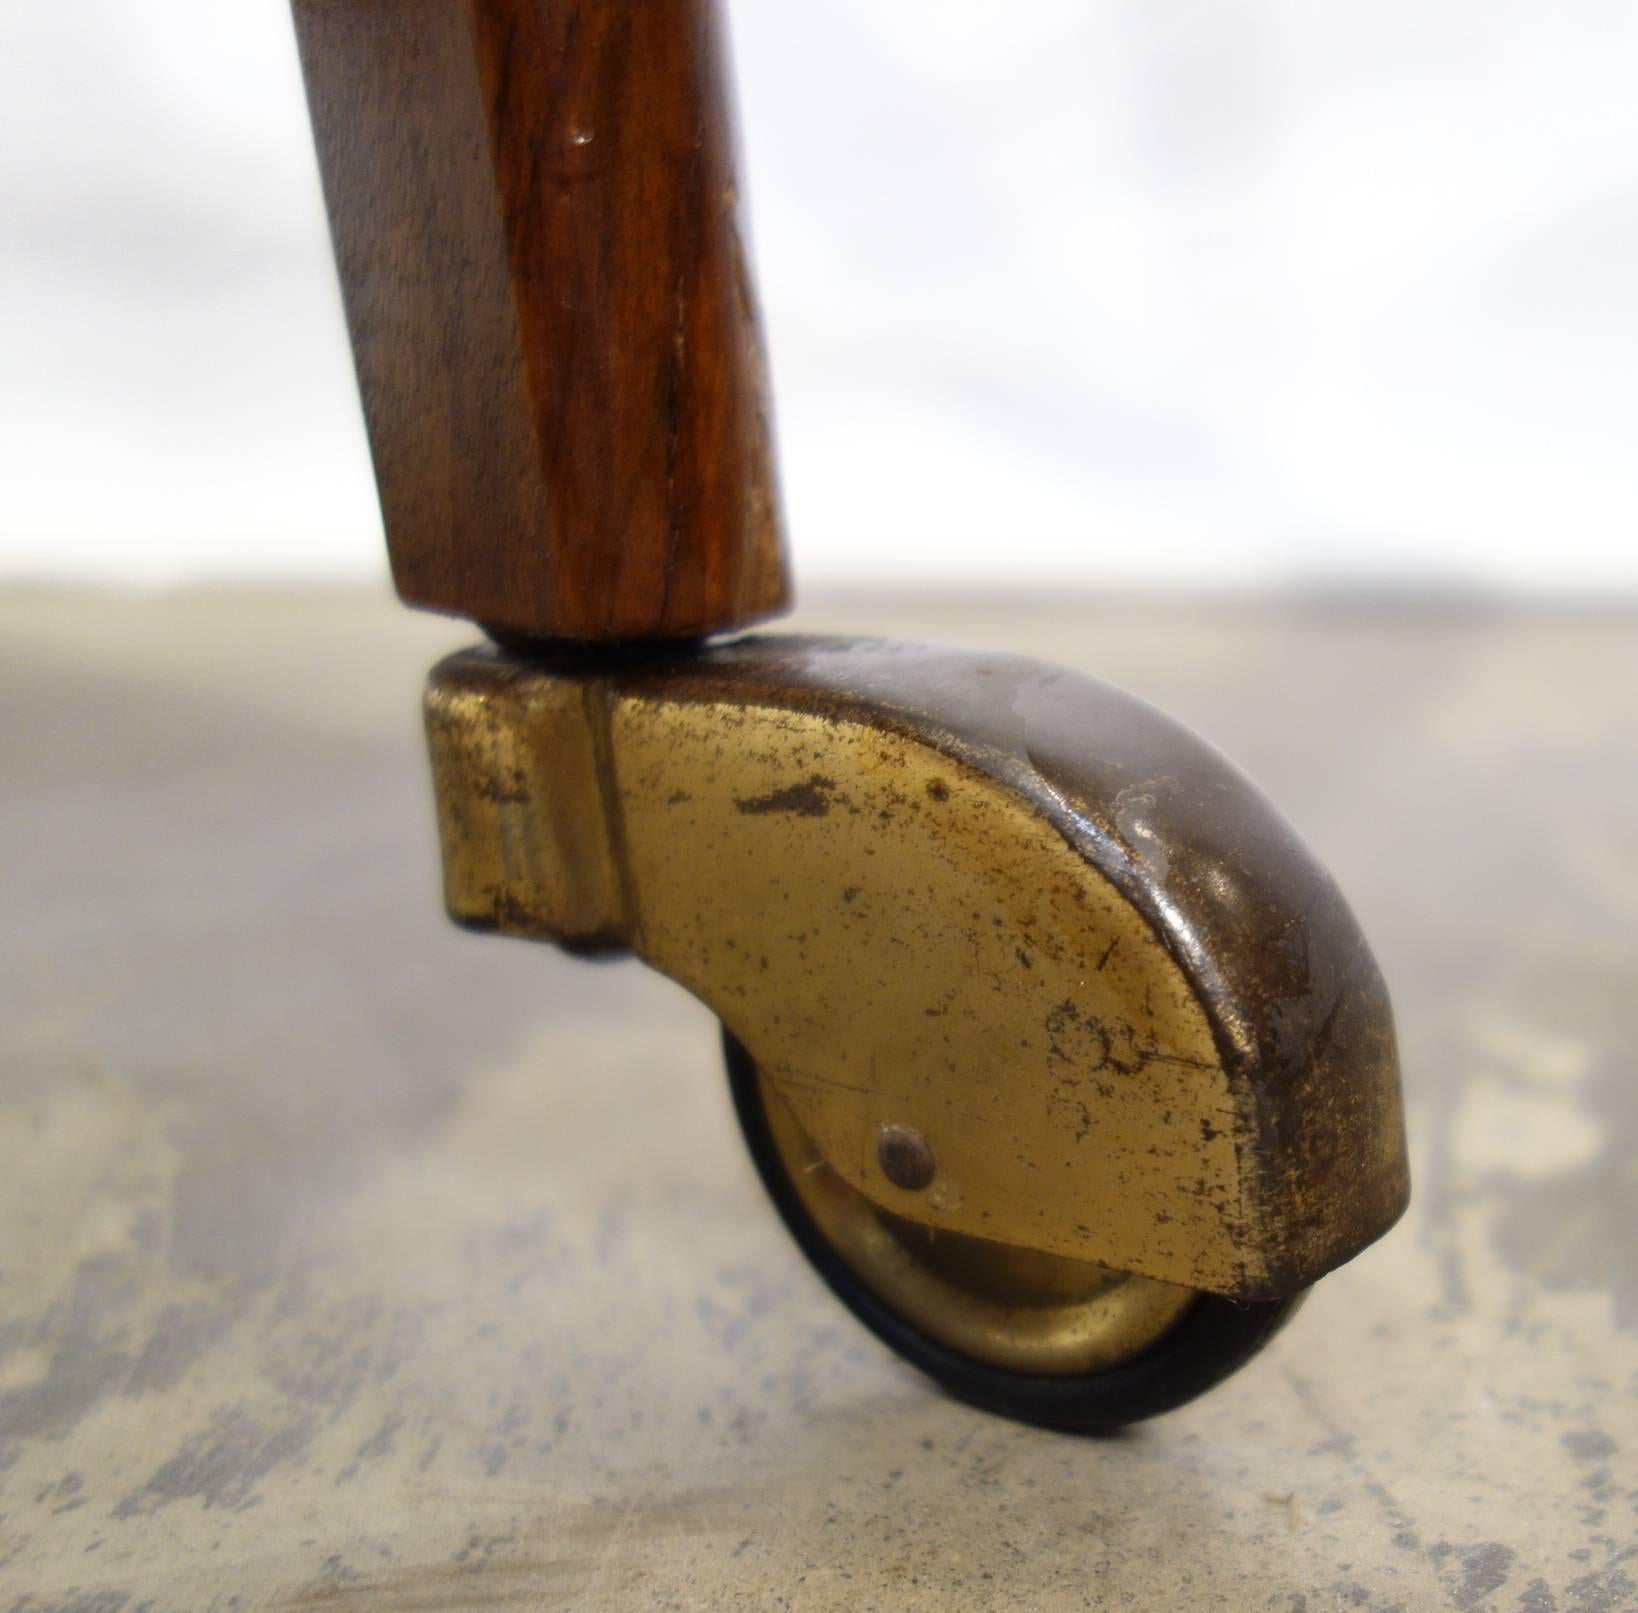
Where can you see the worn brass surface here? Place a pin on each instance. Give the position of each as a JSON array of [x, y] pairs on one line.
[[1018, 913], [995, 1302]]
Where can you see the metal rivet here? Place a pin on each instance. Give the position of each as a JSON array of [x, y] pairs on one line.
[[905, 1157]]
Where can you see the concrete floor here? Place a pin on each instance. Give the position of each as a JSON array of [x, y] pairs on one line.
[[350, 1262]]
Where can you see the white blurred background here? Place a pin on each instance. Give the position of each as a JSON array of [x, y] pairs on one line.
[[1241, 294]]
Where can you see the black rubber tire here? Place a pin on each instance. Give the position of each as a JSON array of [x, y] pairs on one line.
[[1214, 1338]]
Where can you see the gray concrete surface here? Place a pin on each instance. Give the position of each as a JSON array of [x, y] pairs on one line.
[[350, 1262]]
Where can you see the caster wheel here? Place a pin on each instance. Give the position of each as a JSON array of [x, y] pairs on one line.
[[1034, 1337]]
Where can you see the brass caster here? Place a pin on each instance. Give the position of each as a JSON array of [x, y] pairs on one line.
[[1065, 1064]]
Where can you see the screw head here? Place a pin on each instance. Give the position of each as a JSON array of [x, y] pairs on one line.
[[906, 1158]]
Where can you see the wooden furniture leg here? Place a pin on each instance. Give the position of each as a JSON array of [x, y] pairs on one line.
[[1066, 1064]]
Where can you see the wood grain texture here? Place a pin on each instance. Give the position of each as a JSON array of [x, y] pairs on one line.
[[535, 222]]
